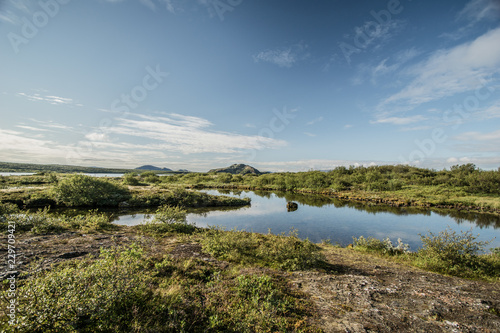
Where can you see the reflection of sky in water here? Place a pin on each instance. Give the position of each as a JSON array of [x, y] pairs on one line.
[[328, 222]]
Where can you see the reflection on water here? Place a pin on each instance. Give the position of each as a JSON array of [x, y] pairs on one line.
[[319, 218]]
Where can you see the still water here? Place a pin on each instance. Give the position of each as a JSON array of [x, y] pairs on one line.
[[319, 218]]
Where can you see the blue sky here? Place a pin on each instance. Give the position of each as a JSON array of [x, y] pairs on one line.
[[277, 84]]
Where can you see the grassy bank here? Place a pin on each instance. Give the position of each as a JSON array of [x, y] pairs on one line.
[[463, 187], [56, 190]]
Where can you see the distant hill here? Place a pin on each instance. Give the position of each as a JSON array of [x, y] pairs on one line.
[[234, 169], [152, 168]]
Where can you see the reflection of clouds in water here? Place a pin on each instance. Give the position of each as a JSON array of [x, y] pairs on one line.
[[339, 224], [135, 219]]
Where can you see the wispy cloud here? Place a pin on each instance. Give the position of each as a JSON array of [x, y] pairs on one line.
[[52, 125], [478, 142], [372, 39], [479, 136], [189, 135], [373, 72], [310, 134], [54, 100], [283, 57], [474, 12], [314, 121], [399, 120], [31, 128], [448, 72]]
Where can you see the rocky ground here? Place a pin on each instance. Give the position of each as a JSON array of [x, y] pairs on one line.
[[354, 293]]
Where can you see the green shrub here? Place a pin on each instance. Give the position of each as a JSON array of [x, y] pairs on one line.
[[278, 251], [169, 219], [454, 254], [81, 190], [131, 179], [385, 246], [108, 294]]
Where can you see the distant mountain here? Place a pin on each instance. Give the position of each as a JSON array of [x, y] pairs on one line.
[[182, 170], [152, 168], [234, 169]]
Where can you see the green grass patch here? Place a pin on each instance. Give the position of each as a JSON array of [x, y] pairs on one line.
[[125, 290], [281, 251]]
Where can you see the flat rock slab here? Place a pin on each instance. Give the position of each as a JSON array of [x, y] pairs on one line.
[[368, 294]]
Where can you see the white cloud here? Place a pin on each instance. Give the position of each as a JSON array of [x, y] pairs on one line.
[[52, 124], [399, 120], [475, 11], [314, 121], [188, 135], [448, 72], [54, 100], [32, 128], [310, 134], [478, 10], [491, 112], [479, 136], [365, 37], [478, 142], [385, 67], [283, 57]]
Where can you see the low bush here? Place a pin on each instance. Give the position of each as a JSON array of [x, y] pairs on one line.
[[109, 294], [131, 179], [81, 190], [43, 222], [457, 254], [385, 246], [277, 251], [169, 219]]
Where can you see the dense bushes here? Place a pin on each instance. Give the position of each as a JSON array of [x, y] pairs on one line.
[[81, 190], [373, 178]]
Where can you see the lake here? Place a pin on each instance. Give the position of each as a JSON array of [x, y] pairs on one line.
[[319, 218]]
